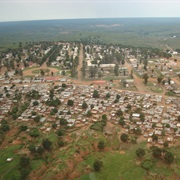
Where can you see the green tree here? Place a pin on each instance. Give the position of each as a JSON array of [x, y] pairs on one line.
[[40, 150], [63, 122], [34, 132], [154, 137], [70, 102], [169, 157], [159, 79], [61, 143], [5, 127], [95, 94], [47, 144], [119, 112], [156, 152], [116, 70], [61, 132], [89, 114], [147, 164], [140, 152], [124, 137], [101, 145], [97, 165], [145, 77], [121, 121], [35, 103], [24, 162], [137, 131], [166, 145], [108, 95], [104, 117], [84, 105], [37, 118], [42, 72], [32, 148], [23, 128]]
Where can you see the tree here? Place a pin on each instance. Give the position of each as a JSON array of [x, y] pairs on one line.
[[119, 112], [166, 145], [153, 125], [178, 118], [42, 72], [116, 70], [35, 103], [137, 131], [89, 114], [23, 128], [95, 94], [25, 167], [142, 117], [169, 157], [121, 121], [156, 152], [140, 152], [97, 165], [145, 77], [147, 164], [124, 137], [61, 132], [84, 105], [108, 95], [70, 102], [101, 145], [159, 79], [61, 143], [5, 127], [34, 132], [37, 118], [118, 96], [40, 150], [46, 143], [104, 117], [63, 73], [154, 137], [32, 148], [63, 122], [24, 162]]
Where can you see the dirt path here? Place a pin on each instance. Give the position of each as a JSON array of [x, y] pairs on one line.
[[168, 47], [138, 82], [80, 64]]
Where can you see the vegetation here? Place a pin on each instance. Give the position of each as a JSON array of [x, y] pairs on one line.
[[97, 165]]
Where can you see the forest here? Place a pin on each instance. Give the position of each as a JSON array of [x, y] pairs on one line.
[[141, 32]]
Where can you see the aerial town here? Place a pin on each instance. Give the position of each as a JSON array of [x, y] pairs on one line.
[[46, 86]]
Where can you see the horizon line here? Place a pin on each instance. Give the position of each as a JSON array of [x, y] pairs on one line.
[[86, 19]]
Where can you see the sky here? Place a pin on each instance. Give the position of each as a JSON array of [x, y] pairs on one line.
[[20, 10]]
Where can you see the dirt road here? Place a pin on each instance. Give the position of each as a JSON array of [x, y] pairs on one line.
[[80, 63], [138, 82]]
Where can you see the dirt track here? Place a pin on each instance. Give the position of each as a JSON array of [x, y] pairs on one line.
[[80, 64]]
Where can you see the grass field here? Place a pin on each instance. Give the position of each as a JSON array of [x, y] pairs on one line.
[[38, 71], [126, 166], [9, 169], [118, 163]]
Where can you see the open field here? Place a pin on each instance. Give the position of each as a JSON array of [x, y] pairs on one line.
[[36, 70]]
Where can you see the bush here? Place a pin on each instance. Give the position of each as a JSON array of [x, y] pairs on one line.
[[46, 144], [97, 165], [140, 152], [124, 137], [23, 128], [101, 145]]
